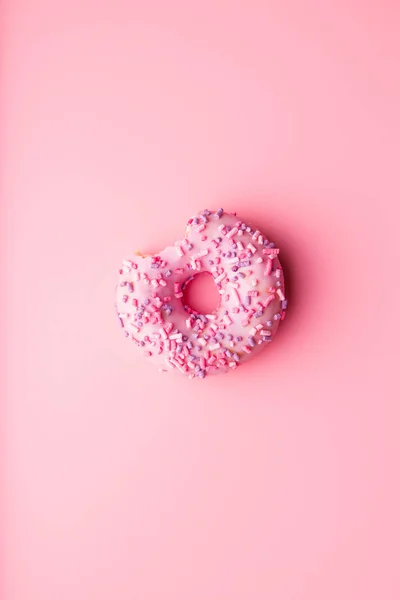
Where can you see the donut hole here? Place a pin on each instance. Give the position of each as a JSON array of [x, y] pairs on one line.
[[201, 294]]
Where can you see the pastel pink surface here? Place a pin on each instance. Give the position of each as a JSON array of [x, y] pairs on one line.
[[280, 480]]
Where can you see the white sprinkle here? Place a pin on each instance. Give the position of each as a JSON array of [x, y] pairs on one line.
[[233, 261], [220, 278], [179, 251], [252, 248], [215, 346], [240, 245], [280, 294]]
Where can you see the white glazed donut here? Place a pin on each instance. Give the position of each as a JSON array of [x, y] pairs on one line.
[[249, 277]]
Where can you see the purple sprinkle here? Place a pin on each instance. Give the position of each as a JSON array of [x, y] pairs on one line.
[[219, 240], [206, 337], [220, 336], [247, 300], [234, 246], [258, 314], [130, 286], [179, 348], [147, 301], [239, 338], [271, 245], [213, 340], [235, 278], [241, 275], [121, 322], [236, 357], [124, 298], [155, 265], [251, 342], [284, 304], [168, 312], [230, 337], [243, 227], [234, 269], [269, 323], [202, 374], [277, 317], [140, 324], [228, 353], [185, 338], [211, 262], [168, 273], [198, 348], [141, 344]]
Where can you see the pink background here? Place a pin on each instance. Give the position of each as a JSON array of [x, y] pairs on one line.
[[279, 481]]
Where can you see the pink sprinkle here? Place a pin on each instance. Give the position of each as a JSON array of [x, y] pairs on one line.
[[268, 301], [215, 243], [233, 261], [246, 349], [232, 232], [283, 315], [252, 248], [169, 327], [180, 295], [174, 362], [134, 302], [179, 251], [211, 317], [227, 320], [268, 268], [202, 342], [173, 345], [202, 362], [207, 354], [157, 302], [162, 282], [191, 364], [136, 276], [265, 333], [245, 323], [215, 346], [281, 294], [232, 364], [272, 290], [235, 310], [253, 293], [189, 323], [255, 235], [217, 260], [163, 264], [253, 331], [260, 240], [154, 282], [179, 271], [147, 353], [177, 287], [211, 360], [203, 238], [277, 273], [240, 246], [201, 228], [259, 260]]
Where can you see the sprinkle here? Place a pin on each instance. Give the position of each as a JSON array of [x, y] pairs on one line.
[[227, 320], [179, 251], [162, 282], [233, 261], [260, 240], [175, 336], [147, 353], [251, 341], [180, 295], [220, 278], [247, 300], [232, 232], [254, 282], [246, 349], [252, 248], [284, 304], [202, 342], [268, 267], [253, 293], [255, 234], [265, 333], [215, 346], [200, 228], [235, 310], [281, 294], [219, 213], [277, 273]]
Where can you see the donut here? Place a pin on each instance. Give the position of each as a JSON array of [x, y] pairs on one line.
[[249, 277]]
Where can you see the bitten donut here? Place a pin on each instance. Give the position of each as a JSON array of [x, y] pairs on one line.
[[249, 278]]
